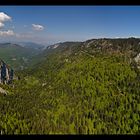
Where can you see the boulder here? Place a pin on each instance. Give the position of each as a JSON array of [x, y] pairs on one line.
[[2, 91]]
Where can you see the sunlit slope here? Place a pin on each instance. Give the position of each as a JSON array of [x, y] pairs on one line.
[[16, 56], [86, 90]]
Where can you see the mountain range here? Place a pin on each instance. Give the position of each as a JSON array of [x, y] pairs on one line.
[[89, 87], [18, 55]]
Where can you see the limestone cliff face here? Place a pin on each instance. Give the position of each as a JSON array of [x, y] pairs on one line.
[[6, 73], [137, 58]]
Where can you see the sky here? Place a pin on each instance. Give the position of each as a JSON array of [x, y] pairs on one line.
[[53, 24]]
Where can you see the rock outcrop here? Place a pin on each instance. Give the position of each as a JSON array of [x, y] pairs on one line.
[[6, 73], [3, 92]]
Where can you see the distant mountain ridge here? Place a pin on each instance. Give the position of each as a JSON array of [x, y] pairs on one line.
[[100, 45], [30, 53], [16, 55], [32, 45], [128, 47]]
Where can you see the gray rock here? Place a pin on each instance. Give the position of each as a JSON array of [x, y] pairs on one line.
[[2, 91]]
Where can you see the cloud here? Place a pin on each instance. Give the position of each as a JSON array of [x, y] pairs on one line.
[[7, 33], [23, 35], [37, 27], [1, 25], [3, 18]]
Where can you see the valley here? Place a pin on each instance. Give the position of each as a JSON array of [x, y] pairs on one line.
[[89, 87], [17, 56]]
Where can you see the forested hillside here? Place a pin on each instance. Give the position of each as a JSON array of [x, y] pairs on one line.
[[90, 87], [17, 56]]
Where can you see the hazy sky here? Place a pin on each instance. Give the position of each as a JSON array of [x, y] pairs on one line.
[[52, 24]]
